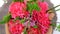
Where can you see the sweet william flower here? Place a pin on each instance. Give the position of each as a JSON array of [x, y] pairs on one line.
[[15, 27], [26, 14], [44, 23], [43, 6], [17, 9], [33, 31], [43, 19], [35, 15]]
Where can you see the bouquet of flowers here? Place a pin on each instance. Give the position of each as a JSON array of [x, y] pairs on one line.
[[28, 17]]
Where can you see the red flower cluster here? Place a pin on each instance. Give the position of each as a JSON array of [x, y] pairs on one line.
[[35, 15], [43, 19], [33, 31], [18, 9], [15, 27], [43, 6]]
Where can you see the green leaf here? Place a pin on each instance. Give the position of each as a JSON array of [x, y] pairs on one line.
[[15, 0], [35, 26], [42, 0], [32, 7], [22, 20], [29, 7], [36, 7], [33, 0], [52, 24], [21, 0], [25, 31], [2, 22], [5, 19], [58, 27], [18, 0]]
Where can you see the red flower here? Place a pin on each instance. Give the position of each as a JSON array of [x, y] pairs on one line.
[[34, 15], [26, 14], [43, 6], [44, 22], [43, 19], [33, 31], [17, 9], [15, 27]]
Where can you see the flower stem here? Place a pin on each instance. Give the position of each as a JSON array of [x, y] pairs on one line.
[[53, 8], [42, 0], [57, 10]]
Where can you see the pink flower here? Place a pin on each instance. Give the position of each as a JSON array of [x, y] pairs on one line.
[[43, 6], [33, 31], [35, 15], [43, 19], [17, 9], [15, 27], [44, 22], [26, 13]]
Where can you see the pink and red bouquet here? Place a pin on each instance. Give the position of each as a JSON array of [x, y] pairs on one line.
[[28, 17]]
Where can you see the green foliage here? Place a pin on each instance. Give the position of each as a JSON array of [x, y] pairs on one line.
[[33, 0], [18, 0], [2, 22], [58, 27], [52, 24], [25, 32], [35, 6], [5, 19], [29, 7], [35, 26], [32, 6], [42, 0], [22, 20]]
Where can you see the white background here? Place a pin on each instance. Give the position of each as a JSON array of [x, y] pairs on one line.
[[56, 2]]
